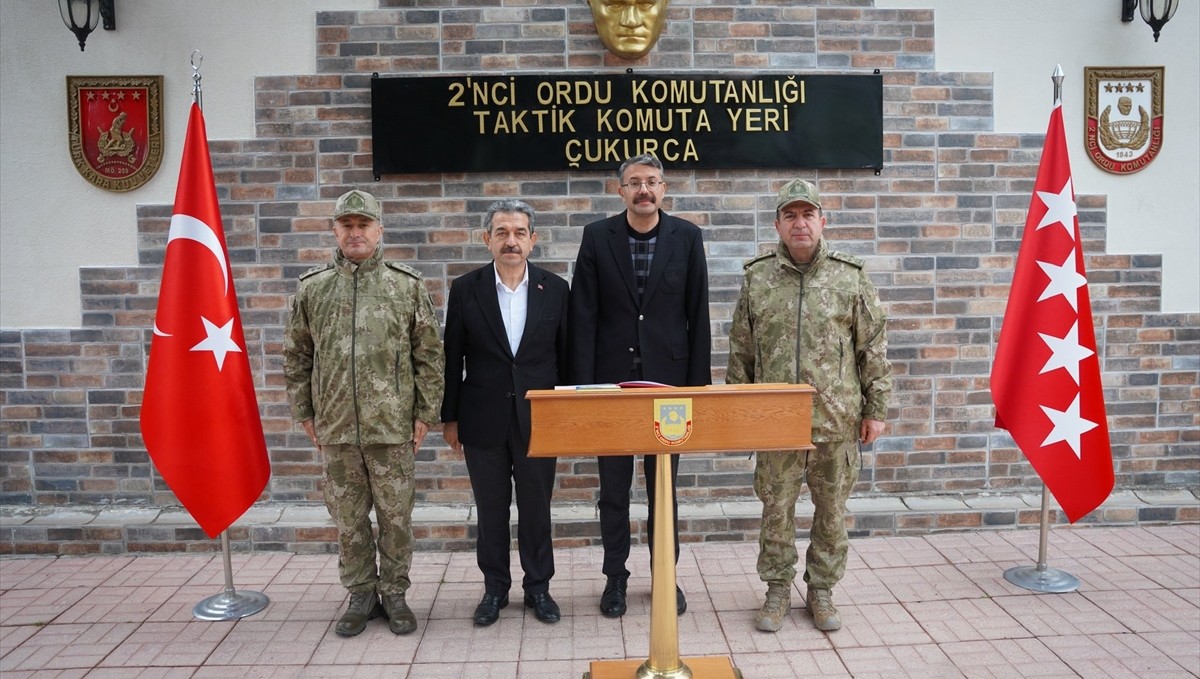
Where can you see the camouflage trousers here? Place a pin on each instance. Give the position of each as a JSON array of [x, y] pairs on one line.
[[830, 471], [357, 480]]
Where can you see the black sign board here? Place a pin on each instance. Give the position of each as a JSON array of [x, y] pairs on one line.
[[543, 122]]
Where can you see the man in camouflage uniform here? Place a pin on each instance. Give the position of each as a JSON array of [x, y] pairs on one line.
[[809, 315], [363, 365]]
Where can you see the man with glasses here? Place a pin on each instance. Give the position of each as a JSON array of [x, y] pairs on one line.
[[638, 311]]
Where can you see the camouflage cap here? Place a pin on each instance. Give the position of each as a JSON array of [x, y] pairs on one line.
[[358, 203], [797, 190]]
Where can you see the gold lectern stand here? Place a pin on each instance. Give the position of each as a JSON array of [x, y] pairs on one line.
[[656, 420]]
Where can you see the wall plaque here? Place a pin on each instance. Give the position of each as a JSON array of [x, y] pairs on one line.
[[1123, 118], [114, 128], [593, 122]]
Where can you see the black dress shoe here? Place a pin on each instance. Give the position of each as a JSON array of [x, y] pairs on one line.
[[612, 602], [488, 610], [543, 607], [680, 601]]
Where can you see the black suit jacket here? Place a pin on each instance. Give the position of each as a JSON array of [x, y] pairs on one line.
[[483, 377], [670, 322]]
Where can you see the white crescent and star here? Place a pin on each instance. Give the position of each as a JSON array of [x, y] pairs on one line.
[[218, 339], [190, 228]]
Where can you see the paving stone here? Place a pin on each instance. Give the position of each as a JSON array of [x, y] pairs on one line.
[[126, 516], [305, 515], [1167, 497], [993, 502], [63, 518], [863, 505], [934, 504]]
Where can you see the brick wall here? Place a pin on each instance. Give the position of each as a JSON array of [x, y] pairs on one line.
[[939, 228]]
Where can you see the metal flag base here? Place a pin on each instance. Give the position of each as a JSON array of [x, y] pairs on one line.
[[1042, 579], [229, 604]]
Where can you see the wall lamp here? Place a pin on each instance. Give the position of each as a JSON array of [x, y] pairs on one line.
[[1156, 13], [82, 16]]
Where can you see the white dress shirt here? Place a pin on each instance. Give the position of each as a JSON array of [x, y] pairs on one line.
[[514, 307]]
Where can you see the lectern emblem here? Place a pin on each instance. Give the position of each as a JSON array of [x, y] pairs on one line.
[[1123, 117], [672, 420]]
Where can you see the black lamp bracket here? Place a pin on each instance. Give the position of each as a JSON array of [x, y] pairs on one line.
[[108, 14], [1128, 7]]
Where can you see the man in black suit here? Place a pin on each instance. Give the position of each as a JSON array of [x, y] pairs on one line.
[[639, 311], [506, 333]]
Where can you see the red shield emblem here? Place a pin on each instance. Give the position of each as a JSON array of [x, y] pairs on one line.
[[1123, 118], [115, 126]]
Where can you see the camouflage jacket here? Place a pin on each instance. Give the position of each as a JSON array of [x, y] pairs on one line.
[[824, 327], [362, 354]]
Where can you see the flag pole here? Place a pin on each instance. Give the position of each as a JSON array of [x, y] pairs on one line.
[[230, 604], [1042, 578], [197, 91]]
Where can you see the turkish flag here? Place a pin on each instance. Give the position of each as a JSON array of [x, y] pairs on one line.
[[1046, 376], [199, 417]]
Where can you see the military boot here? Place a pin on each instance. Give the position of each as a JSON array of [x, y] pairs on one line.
[[401, 619], [825, 615], [775, 608], [363, 606]]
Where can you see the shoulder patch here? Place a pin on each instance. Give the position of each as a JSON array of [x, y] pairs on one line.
[[756, 260], [315, 270], [856, 262], [405, 269]]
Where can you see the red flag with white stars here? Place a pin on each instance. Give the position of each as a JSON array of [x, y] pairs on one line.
[[200, 420], [1046, 376]]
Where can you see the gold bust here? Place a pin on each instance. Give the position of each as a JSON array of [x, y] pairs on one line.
[[629, 28]]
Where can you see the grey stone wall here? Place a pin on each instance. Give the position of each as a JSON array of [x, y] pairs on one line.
[[939, 229]]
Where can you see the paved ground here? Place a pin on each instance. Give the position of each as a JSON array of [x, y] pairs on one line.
[[934, 606]]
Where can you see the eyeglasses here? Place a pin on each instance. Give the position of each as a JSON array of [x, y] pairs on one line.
[[651, 184]]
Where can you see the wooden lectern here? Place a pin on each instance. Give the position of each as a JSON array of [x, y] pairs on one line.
[[586, 421]]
